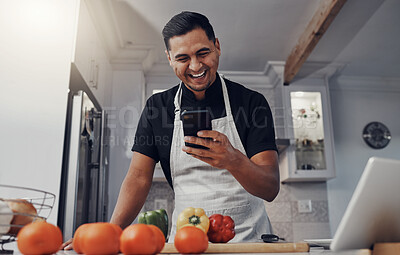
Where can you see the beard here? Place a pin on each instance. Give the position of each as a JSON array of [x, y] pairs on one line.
[[197, 89]]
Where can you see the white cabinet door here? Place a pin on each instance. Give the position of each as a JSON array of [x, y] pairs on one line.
[[85, 47], [101, 80], [310, 156], [90, 57]]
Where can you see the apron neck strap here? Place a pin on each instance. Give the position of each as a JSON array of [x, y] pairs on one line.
[[177, 102], [226, 97]]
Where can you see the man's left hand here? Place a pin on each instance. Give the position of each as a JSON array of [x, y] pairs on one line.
[[221, 154]]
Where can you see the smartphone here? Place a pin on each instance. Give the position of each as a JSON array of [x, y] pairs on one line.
[[194, 121]]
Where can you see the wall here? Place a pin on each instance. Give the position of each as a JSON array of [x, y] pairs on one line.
[[356, 102], [36, 52], [285, 218], [123, 118]]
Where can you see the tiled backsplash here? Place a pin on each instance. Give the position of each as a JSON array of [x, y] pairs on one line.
[[283, 212], [160, 190], [285, 218]]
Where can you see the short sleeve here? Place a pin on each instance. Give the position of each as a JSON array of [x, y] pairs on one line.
[[144, 142], [261, 134]]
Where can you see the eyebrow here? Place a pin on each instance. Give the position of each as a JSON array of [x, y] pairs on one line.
[[200, 50]]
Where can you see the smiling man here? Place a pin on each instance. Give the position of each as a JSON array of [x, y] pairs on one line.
[[239, 167]]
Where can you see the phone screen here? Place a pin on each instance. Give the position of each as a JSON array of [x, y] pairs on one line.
[[194, 121]]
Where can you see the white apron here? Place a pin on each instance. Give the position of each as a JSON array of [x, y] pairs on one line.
[[199, 185]]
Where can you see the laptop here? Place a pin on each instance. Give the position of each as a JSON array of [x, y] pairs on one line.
[[373, 214]]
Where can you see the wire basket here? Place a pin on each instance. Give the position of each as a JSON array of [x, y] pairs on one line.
[[42, 201]]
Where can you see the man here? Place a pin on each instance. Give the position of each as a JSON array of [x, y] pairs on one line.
[[240, 167]]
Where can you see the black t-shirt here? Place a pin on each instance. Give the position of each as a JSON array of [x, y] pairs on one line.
[[250, 110]]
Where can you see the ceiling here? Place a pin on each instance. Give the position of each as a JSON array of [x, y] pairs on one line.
[[364, 38]]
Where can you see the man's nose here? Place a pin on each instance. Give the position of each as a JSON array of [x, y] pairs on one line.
[[195, 64]]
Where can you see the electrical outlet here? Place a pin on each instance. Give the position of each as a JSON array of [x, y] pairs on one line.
[[160, 204], [304, 206]]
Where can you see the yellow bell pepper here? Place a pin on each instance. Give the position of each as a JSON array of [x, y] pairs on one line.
[[193, 217]]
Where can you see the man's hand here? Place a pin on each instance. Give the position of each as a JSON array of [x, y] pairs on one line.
[[67, 245], [221, 154], [259, 175]]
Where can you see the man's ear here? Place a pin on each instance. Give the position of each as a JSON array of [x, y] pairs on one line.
[[169, 57], [217, 46]]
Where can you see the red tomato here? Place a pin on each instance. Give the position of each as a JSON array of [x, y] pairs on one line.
[[159, 236], [78, 236], [95, 233], [39, 238], [190, 239], [138, 239], [100, 238], [117, 228]]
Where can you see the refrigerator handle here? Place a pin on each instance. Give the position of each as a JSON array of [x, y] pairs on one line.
[[101, 207]]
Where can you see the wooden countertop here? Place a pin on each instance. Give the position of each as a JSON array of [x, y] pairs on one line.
[[214, 248]]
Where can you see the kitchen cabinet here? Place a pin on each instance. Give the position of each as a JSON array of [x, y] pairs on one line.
[[308, 125], [90, 57]]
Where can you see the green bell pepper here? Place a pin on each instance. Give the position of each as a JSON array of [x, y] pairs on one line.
[[158, 218]]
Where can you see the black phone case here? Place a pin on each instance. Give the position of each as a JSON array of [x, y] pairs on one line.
[[194, 121]]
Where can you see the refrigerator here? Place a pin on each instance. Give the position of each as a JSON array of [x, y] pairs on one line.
[[84, 181]]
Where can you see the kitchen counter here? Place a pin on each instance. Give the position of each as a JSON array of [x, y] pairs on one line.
[[313, 251], [324, 252]]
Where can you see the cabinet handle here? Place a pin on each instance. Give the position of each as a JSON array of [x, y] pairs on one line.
[[94, 72], [96, 76]]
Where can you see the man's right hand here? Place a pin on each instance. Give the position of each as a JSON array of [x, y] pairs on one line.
[[67, 245]]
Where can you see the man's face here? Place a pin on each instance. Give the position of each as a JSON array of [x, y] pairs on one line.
[[194, 59]]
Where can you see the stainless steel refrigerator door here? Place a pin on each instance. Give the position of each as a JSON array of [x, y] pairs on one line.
[[86, 198], [86, 184], [73, 169]]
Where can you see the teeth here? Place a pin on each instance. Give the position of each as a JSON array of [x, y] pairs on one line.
[[198, 75]]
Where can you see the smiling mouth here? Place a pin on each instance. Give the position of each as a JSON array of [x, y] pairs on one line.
[[200, 75]]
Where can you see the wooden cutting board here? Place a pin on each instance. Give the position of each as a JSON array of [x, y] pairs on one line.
[[247, 248]]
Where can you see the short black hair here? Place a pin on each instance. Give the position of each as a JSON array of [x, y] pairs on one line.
[[185, 22]]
